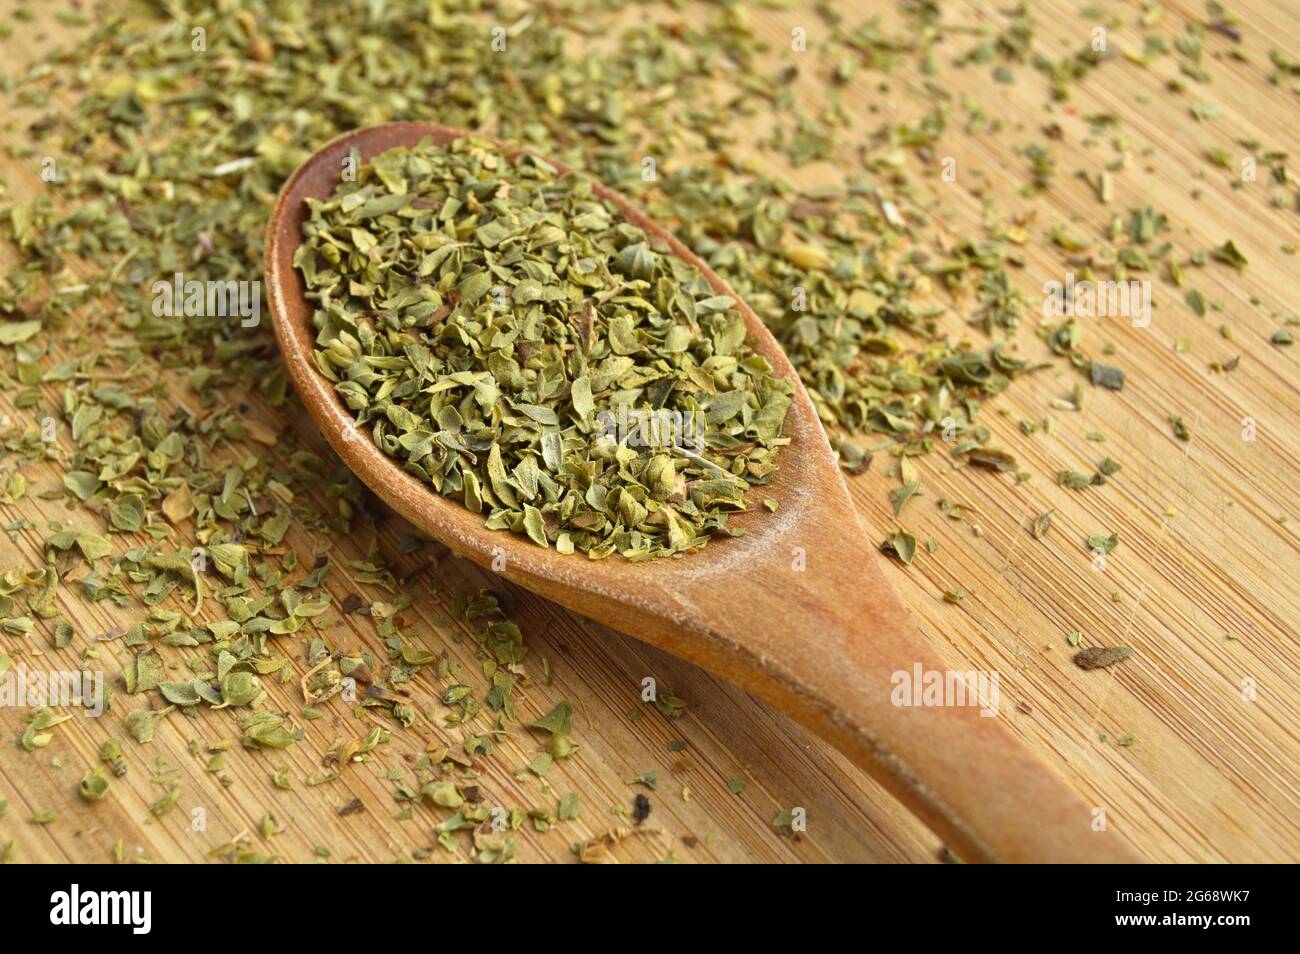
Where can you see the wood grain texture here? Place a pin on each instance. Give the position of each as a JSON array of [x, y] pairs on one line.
[[1207, 596]]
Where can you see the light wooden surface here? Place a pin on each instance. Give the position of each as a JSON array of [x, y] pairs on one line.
[[1208, 596]]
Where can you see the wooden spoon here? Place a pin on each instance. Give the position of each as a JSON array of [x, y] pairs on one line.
[[796, 611]]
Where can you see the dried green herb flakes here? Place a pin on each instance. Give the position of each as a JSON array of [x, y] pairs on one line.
[[518, 346]]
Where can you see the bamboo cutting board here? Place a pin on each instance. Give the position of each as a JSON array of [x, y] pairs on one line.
[[1205, 585]]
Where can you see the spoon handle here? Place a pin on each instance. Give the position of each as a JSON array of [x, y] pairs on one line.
[[848, 669]]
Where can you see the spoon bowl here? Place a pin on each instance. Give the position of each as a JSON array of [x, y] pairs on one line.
[[796, 610]]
